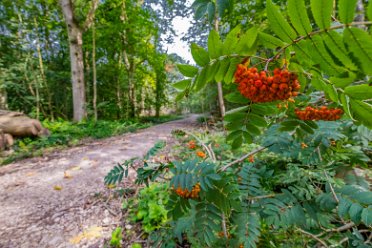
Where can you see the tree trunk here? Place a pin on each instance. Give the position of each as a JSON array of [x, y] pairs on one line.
[[3, 98], [94, 73], [219, 84], [76, 56]]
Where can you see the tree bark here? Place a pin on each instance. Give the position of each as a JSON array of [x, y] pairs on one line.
[[75, 35], [94, 73], [219, 84]]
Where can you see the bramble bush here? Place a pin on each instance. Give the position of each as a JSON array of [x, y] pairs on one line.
[[305, 102]]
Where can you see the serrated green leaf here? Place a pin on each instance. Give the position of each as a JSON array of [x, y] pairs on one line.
[[211, 12], [201, 80], [214, 44], [212, 69], [257, 120], [343, 82], [335, 44], [367, 216], [343, 207], [247, 41], [278, 24], [224, 7], [331, 92], [236, 97], [233, 135], [270, 41], [229, 76], [238, 141], [318, 83], [321, 56], [360, 44], [322, 12], [201, 10], [362, 112], [306, 128], [346, 10], [182, 85], [346, 105], [298, 15], [187, 70], [252, 129], [200, 56], [222, 70], [359, 92], [240, 109], [355, 212], [231, 41]]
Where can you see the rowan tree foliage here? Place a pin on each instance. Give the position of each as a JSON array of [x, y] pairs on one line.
[[300, 84]]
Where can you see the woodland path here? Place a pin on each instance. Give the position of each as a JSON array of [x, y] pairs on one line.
[[35, 214]]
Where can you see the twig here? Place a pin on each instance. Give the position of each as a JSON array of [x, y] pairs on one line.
[[339, 229], [241, 159], [261, 197], [331, 187], [341, 242], [224, 226], [209, 151], [313, 236]]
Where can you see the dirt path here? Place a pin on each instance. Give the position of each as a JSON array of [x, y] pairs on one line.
[[40, 207]]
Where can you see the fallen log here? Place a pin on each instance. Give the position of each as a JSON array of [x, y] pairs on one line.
[[19, 125]]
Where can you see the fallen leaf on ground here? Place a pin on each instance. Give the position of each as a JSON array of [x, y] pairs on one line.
[[75, 168], [57, 187], [67, 175], [111, 186], [91, 233]]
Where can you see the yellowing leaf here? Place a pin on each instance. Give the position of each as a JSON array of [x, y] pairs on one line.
[[67, 175], [75, 168], [111, 186], [57, 187]]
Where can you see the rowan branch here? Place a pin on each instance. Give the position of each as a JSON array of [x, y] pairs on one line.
[[313, 237], [241, 159]]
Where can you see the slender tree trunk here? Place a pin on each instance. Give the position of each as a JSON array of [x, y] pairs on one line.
[[44, 82], [94, 73], [75, 34], [219, 84], [3, 98]]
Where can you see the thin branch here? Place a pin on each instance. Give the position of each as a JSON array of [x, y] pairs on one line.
[[89, 20], [313, 236], [339, 229], [261, 197], [241, 159]]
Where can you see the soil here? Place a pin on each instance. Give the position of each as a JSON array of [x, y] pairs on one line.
[[60, 200]]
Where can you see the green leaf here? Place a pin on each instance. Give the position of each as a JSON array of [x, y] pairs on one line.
[[298, 15], [224, 6], [331, 92], [236, 97], [182, 85], [346, 105], [247, 41], [270, 41], [278, 24], [346, 10], [229, 76], [231, 41], [335, 44], [198, 3], [360, 44], [369, 11], [362, 112], [322, 12], [355, 212], [343, 82], [318, 83], [257, 120], [201, 80], [200, 56], [359, 92], [214, 44], [180, 95], [253, 130], [343, 207], [367, 216], [211, 12], [201, 10], [321, 56], [240, 109], [211, 71], [222, 70], [187, 70]]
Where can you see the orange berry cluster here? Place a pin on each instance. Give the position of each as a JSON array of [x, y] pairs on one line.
[[201, 154], [184, 193], [316, 114], [191, 144], [259, 87]]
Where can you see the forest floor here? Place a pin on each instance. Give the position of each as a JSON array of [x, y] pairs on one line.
[[60, 200]]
